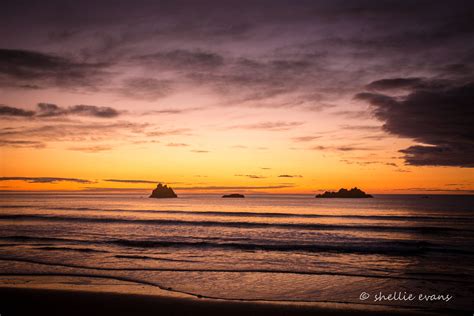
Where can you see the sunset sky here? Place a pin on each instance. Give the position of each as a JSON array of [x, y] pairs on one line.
[[241, 96]]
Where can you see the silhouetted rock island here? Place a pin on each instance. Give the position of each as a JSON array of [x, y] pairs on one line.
[[163, 192], [234, 196], [344, 193]]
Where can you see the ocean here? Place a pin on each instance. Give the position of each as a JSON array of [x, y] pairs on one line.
[[264, 247]]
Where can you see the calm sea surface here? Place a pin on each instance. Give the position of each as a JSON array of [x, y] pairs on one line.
[[295, 248]]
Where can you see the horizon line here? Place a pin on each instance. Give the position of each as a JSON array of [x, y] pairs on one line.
[[139, 192]]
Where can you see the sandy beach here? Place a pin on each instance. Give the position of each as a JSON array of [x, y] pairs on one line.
[[25, 301]]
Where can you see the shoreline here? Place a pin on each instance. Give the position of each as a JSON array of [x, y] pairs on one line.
[[21, 300]]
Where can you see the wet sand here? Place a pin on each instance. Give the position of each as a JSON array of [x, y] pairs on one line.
[[25, 301]]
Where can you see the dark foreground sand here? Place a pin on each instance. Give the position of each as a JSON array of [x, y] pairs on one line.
[[21, 301]]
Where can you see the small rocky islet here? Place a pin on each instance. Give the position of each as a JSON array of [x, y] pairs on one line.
[[163, 192], [353, 193], [234, 196]]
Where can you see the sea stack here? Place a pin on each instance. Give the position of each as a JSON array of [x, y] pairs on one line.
[[163, 192], [234, 196], [353, 193]]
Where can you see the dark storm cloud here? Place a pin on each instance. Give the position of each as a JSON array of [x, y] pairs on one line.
[[49, 110], [182, 59], [460, 69], [439, 117], [264, 82], [145, 88], [26, 64], [396, 83], [6, 110], [23, 68], [53, 110], [44, 179], [407, 84], [453, 154]]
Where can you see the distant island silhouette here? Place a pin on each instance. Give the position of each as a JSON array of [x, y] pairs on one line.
[[163, 192], [234, 196], [344, 193]]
